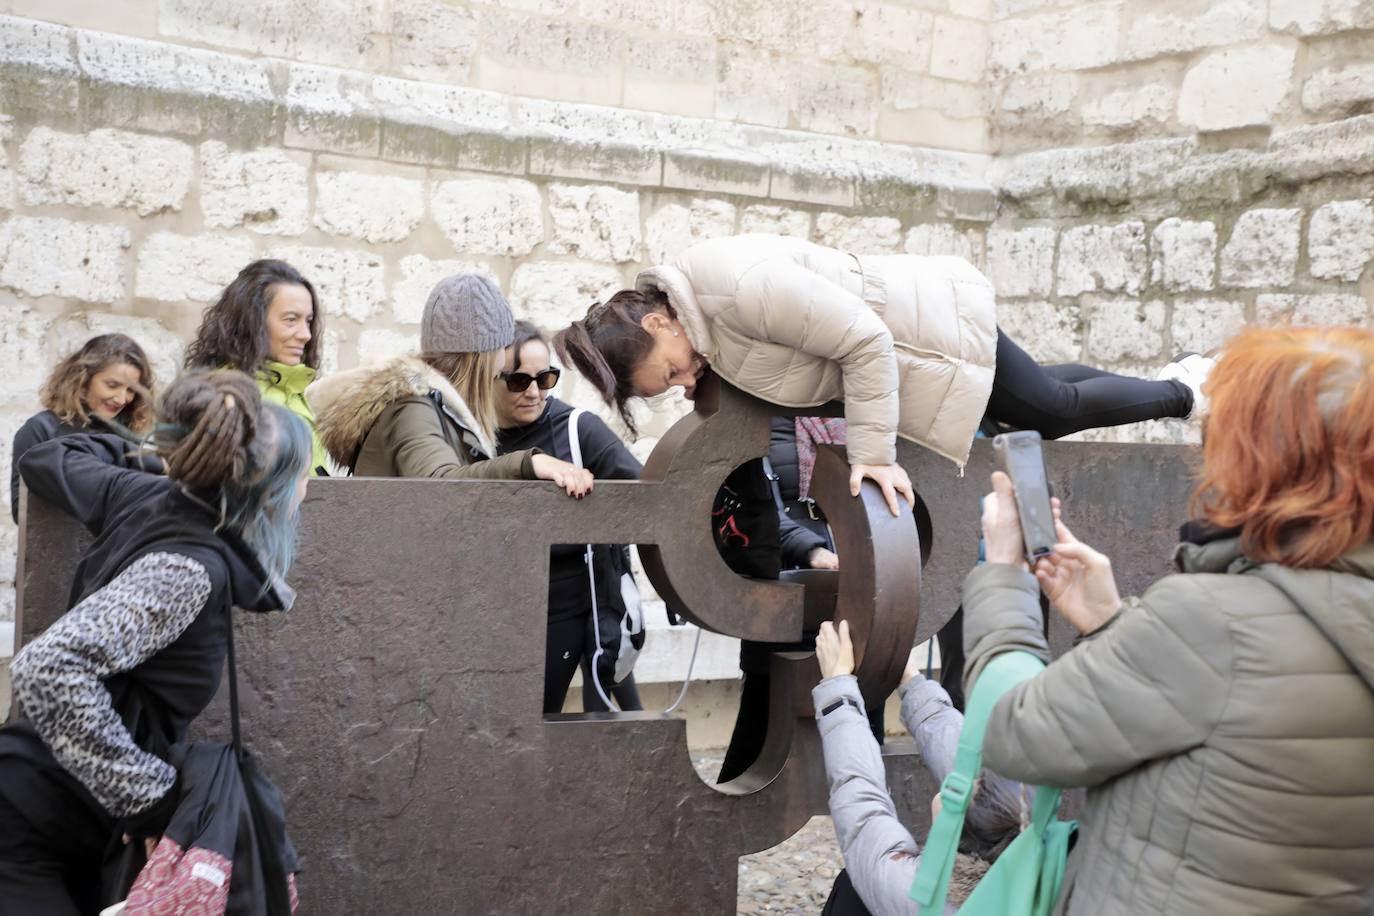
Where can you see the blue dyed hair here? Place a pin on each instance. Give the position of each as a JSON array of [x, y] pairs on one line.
[[263, 513], [219, 437]]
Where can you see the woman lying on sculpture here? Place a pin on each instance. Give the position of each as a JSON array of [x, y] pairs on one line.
[[109, 688], [1222, 722], [910, 343]]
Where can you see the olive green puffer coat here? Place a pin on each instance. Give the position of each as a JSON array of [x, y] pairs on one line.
[[1223, 724]]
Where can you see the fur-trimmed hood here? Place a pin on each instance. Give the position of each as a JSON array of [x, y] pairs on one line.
[[347, 404]]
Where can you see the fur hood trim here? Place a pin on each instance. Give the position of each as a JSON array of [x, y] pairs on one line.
[[349, 403]]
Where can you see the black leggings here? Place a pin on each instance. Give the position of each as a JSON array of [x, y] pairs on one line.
[[1059, 400], [569, 646]]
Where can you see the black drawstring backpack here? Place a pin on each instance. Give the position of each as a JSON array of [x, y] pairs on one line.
[[225, 850]]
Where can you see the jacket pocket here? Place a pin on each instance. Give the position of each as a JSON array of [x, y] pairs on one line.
[[923, 353]]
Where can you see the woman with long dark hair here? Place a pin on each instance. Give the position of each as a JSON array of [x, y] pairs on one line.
[[910, 344], [106, 386], [109, 688], [267, 324]]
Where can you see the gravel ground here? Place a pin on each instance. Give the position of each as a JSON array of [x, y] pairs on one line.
[[794, 877]]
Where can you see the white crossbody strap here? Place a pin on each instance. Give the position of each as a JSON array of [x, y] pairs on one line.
[[575, 448], [574, 440]]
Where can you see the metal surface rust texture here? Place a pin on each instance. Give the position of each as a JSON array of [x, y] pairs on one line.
[[398, 704]]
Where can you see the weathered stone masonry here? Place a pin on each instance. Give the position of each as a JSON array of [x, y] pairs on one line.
[[139, 172]]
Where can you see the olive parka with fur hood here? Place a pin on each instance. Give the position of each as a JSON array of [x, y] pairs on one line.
[[404, 419]]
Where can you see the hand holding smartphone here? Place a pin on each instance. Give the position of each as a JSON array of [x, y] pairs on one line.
[[1019, 456]]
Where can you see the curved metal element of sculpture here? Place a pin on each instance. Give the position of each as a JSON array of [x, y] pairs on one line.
[[726, 429]]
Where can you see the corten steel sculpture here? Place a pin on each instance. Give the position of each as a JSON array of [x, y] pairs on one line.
[[398, 705]]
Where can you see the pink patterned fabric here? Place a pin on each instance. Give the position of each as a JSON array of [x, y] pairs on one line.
[[195, 883], [813, 431], [177, 883]]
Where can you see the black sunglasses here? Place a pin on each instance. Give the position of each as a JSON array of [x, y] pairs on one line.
[[517, 382]]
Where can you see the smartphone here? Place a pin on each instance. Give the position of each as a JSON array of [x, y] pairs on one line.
[[1019, 455]]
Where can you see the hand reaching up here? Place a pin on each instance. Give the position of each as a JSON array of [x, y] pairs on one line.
[[834, 649]]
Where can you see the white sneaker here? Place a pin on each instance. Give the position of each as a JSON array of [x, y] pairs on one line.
[[1192, 370]]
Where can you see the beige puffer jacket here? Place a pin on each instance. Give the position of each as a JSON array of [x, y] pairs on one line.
[[1223, 724], [909, 343]]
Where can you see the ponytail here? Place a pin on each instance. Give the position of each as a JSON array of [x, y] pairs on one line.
[[216, 434], [209, 429], [609, 343]]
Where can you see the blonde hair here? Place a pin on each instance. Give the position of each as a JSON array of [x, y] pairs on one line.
[[471, 375]]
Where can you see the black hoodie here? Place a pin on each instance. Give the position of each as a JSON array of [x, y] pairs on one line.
[[605, 455], [132, 514]]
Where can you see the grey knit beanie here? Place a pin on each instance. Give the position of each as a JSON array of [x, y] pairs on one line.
[[466, 314]]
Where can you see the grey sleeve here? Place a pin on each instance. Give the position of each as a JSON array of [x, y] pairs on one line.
[[59, 677], [999, 804], [879, 852]]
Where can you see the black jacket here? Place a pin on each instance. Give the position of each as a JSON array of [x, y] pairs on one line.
[[796, 541], [132, 513], [605, 455], [45, 425]]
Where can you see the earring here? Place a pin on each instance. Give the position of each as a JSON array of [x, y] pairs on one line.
[[675, 333]]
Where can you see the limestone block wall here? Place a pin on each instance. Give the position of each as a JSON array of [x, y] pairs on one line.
[[1070, 72], [138, 176], [901, 70], [1124, 255], [140, 167]]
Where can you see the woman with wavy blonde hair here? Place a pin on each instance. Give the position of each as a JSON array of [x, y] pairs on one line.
[[106, 386], [1222, 722]]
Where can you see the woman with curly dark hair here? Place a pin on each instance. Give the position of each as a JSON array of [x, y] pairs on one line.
[[106, 387], [267, 323]]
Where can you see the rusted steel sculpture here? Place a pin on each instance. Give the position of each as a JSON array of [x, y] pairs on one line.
[[398, 705]]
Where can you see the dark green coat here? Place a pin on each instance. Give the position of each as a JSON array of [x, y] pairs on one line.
[[404, 419], [1223, 724]]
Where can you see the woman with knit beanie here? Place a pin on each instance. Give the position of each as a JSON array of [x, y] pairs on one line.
[[434, 414]]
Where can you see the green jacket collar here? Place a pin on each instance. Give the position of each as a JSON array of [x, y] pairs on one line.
[[291, 379]]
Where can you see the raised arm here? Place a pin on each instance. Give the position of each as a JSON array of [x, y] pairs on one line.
[[1151, 683], [879, 852], [90, 476], [58, 678]]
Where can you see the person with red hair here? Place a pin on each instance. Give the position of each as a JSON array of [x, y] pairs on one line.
[[1223, 722]]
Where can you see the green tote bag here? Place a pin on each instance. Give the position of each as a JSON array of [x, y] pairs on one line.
[[1025, 879]]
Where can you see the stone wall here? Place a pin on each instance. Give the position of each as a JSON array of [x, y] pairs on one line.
[[1066, 72], [142, 166], [905, 71]]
